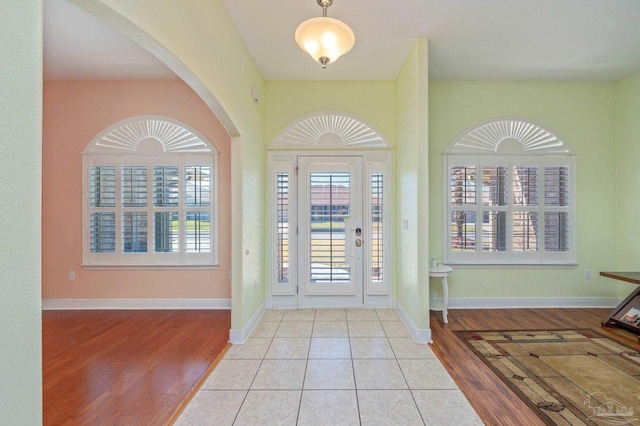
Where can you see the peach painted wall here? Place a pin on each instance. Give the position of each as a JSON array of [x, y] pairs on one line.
[[74, 113]]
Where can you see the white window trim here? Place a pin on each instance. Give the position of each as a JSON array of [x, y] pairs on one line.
[[182, 145], [480, 145]]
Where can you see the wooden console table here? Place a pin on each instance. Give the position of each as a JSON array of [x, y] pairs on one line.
[[627, 313]]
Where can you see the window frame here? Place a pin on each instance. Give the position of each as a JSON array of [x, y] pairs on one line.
[[509, 155], [183, 156]]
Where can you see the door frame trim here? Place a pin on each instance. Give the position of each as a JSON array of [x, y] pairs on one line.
[[284, 296]]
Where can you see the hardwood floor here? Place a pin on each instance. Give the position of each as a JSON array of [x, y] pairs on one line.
[[126, 367], [492, 399]]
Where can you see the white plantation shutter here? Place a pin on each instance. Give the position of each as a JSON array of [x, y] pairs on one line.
[[146, 207], [512, 202]]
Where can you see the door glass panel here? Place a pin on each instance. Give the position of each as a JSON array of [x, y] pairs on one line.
[[282, 225], [329, 211], [377, 227]]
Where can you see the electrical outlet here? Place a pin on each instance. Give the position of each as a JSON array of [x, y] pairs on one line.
[[72, 275], [229, 274], [587, 274]]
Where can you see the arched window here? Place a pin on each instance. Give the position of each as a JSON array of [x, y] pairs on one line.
[[150, 195], [509, 196]]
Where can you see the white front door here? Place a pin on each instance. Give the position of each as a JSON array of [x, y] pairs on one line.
[[330, 231]]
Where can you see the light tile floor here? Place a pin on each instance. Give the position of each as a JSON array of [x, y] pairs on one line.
[[329, 367]]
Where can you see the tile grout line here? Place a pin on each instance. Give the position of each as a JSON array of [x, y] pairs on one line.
[[403, 375], [306, 366], [405, 378], [254, 377], [353, 368]]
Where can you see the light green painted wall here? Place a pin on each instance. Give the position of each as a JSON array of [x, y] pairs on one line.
[[582, 114], [627, 137], [20, 212], [371, 100], [202, 37], [412, 171]]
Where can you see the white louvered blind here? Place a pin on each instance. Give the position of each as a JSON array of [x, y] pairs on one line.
[[282, 227], [521, 210], [151, 213], [330, 209], [377, 227]]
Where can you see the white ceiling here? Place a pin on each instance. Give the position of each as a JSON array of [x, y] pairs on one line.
[[78, 46], [596, 40]]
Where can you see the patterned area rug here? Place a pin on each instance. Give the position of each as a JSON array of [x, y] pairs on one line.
[[569, 377]]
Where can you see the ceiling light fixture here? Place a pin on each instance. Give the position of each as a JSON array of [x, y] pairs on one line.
[[325, 39]]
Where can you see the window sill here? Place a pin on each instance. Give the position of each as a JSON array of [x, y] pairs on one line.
[[512, 265], [145, 267]]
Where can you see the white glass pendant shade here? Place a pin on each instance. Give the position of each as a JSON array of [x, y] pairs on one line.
[[325, 38]]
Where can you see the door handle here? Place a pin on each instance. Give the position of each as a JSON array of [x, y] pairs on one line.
[[358, 242]]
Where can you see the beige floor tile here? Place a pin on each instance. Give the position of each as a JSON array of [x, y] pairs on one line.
[[273, 315], [389, 408], [269, 408], [330, 329], [408, 348], [395, 329], [280, 374], [212, 408], [233, 374], [426, 374], [387, 315], [254, 348], [329, 374], [362, 315], [378, 374], [328, 408], [299, 315], [294, 329], [365, 329], [329, 347], [371, 347], [288, 348], [445, 407], [265, 329], [331, 315]]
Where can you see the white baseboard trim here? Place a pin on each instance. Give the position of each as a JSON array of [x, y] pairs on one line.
[[420, 335], [134, 304], [240, 336], [526, 302]]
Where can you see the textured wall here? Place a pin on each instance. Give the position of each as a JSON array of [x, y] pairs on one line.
[[580, 113], [76, 112], [627, 137], [20, 185], [412, 172]]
